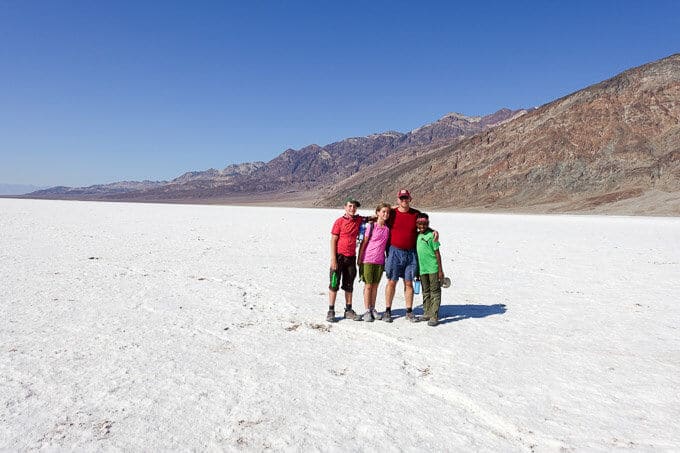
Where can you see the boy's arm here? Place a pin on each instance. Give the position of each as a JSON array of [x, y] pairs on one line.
[[439, 264], [362, 246], [360, 258], [334, 251]]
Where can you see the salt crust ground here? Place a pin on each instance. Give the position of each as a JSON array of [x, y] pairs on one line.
[[147, 327]]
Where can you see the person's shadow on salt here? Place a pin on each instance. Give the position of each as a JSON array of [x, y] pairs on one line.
[[453, 313]]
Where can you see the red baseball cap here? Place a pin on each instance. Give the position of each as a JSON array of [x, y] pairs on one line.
[[404, 193]]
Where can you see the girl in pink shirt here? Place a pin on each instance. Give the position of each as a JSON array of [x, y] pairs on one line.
[[372, 260]]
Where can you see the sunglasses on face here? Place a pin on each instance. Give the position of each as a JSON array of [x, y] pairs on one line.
[[404, 198]]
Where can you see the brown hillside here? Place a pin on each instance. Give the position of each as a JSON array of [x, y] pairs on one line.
[[616, 140]]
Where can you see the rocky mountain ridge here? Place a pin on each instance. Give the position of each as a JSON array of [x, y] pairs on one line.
[[308, 168], [610, 143], [114, 188]]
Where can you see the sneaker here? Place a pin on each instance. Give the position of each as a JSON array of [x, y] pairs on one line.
[[375, 314], [330, 316], [412, 317], [357, 317], [432, 322], [350, 314], [387, 317], [368, 316]]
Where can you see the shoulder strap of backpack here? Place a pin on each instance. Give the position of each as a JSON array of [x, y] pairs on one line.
[[370, 232], [364, 243]]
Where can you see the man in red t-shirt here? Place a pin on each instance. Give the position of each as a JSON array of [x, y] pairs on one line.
[[343, 269], [402, 259]]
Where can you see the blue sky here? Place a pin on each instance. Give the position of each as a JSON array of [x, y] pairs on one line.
[[95, 92]]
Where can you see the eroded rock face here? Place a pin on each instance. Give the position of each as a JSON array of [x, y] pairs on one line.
[[613, 140]]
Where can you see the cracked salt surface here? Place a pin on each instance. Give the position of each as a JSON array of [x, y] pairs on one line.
[[134, 326]]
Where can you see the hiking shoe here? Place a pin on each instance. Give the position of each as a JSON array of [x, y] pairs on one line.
[[387, 317], [410, 316], [375, 314], [350, 314], [368, 316], [433, 322], [424, 318], [357, 317], [330, 316]]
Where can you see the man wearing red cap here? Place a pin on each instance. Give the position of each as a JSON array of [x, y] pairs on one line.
[[402, 261]]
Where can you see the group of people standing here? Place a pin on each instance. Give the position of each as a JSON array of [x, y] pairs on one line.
[[397, 240]]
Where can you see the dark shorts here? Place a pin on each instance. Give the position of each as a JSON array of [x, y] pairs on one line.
[[346, 273], [401, 263]]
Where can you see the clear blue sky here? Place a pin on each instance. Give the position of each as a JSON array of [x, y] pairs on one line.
[[95, 92]]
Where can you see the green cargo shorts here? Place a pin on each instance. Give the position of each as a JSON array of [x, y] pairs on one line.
[[372, 273]]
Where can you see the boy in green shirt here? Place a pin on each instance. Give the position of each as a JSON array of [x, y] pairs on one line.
[[431, 271]]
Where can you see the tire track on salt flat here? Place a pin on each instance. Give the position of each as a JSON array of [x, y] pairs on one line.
[[494, 423]]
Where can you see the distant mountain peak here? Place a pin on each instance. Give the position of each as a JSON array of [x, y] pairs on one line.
[[456, 125], [393, 134], [460, 116]]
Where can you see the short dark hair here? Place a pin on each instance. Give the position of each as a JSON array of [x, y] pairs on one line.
[[423, 216]]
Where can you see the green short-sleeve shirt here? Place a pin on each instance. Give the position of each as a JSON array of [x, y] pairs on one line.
[[426, 246]]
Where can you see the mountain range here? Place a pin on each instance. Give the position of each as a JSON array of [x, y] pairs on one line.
[[18, 189], [611, 147]]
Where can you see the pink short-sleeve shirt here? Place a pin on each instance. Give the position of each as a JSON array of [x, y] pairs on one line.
[[375, 249]]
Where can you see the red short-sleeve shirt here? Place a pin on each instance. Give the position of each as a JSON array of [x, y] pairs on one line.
[[403, 233], [347, 228]]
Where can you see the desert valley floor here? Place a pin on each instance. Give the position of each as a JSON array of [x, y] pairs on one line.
[[149, 327]]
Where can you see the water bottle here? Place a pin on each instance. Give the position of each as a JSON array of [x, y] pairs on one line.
[[362, 231], [416, 286], [334, 280]]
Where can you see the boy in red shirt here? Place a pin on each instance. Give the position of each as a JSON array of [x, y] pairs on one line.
[[343, 269]]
